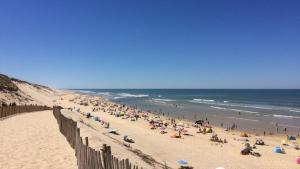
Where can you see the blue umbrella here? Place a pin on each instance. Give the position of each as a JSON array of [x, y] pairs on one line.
[[182, 162]]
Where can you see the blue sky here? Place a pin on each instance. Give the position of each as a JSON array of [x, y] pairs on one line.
[[152, 44]]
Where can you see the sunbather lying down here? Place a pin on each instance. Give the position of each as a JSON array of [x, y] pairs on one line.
[[163, 132], [152, 127], [215, 138], [175, 136], [205, 130], [113, 131], [129, 140], [186, 167], [259, 142], [126, 144], [187, 134], [248, 151]]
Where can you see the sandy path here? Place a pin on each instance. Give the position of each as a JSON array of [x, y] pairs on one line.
[[33, 141]]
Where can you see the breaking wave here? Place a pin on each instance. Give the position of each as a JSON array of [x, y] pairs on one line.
[[285, 116], [164, 100], [126, 95]]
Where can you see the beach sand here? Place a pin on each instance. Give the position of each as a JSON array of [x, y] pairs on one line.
[[33, 141], [197, 150]]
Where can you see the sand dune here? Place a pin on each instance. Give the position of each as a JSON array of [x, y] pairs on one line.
[[22, 92]]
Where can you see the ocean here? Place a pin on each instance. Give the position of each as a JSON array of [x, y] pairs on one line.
[[253, 110]]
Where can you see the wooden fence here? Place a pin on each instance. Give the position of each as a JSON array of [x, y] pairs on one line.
[[11, 110], [87, 157]]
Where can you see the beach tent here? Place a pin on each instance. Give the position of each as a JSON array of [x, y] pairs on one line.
[[96, 118], [182, 162], [278, 150], [200, 122], [291, 137]]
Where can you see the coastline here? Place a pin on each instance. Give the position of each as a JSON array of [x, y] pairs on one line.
[[190, 146], [244, 122], [151, 149]]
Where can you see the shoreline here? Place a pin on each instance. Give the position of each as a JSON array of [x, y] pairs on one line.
[[189, 146], [247, 128]]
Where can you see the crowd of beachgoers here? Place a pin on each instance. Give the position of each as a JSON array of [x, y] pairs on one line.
[[149, 139], [108, 114]]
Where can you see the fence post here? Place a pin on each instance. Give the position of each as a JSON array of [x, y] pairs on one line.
[[1, 110], [87, 157]]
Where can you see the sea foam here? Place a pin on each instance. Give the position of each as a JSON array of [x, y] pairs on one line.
[[285, 116], [165, 100], [126, 95]]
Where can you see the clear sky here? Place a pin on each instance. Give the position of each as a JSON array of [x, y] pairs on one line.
[[152, 43]]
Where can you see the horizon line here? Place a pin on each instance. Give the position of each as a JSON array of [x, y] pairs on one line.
[[179, 88]]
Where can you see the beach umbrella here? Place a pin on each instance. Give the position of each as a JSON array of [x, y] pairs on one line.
[[96, 118], [291, 138], [182, 162]]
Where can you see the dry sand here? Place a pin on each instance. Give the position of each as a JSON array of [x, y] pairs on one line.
[[197, 150], [33, 141]]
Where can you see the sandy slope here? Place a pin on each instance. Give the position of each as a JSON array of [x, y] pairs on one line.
[[29, 94], [33, 141]]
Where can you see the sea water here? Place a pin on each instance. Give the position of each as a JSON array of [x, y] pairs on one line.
[[250, 109]]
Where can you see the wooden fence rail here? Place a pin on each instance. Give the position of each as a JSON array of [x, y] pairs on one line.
[[87, 157], [11, 110]]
